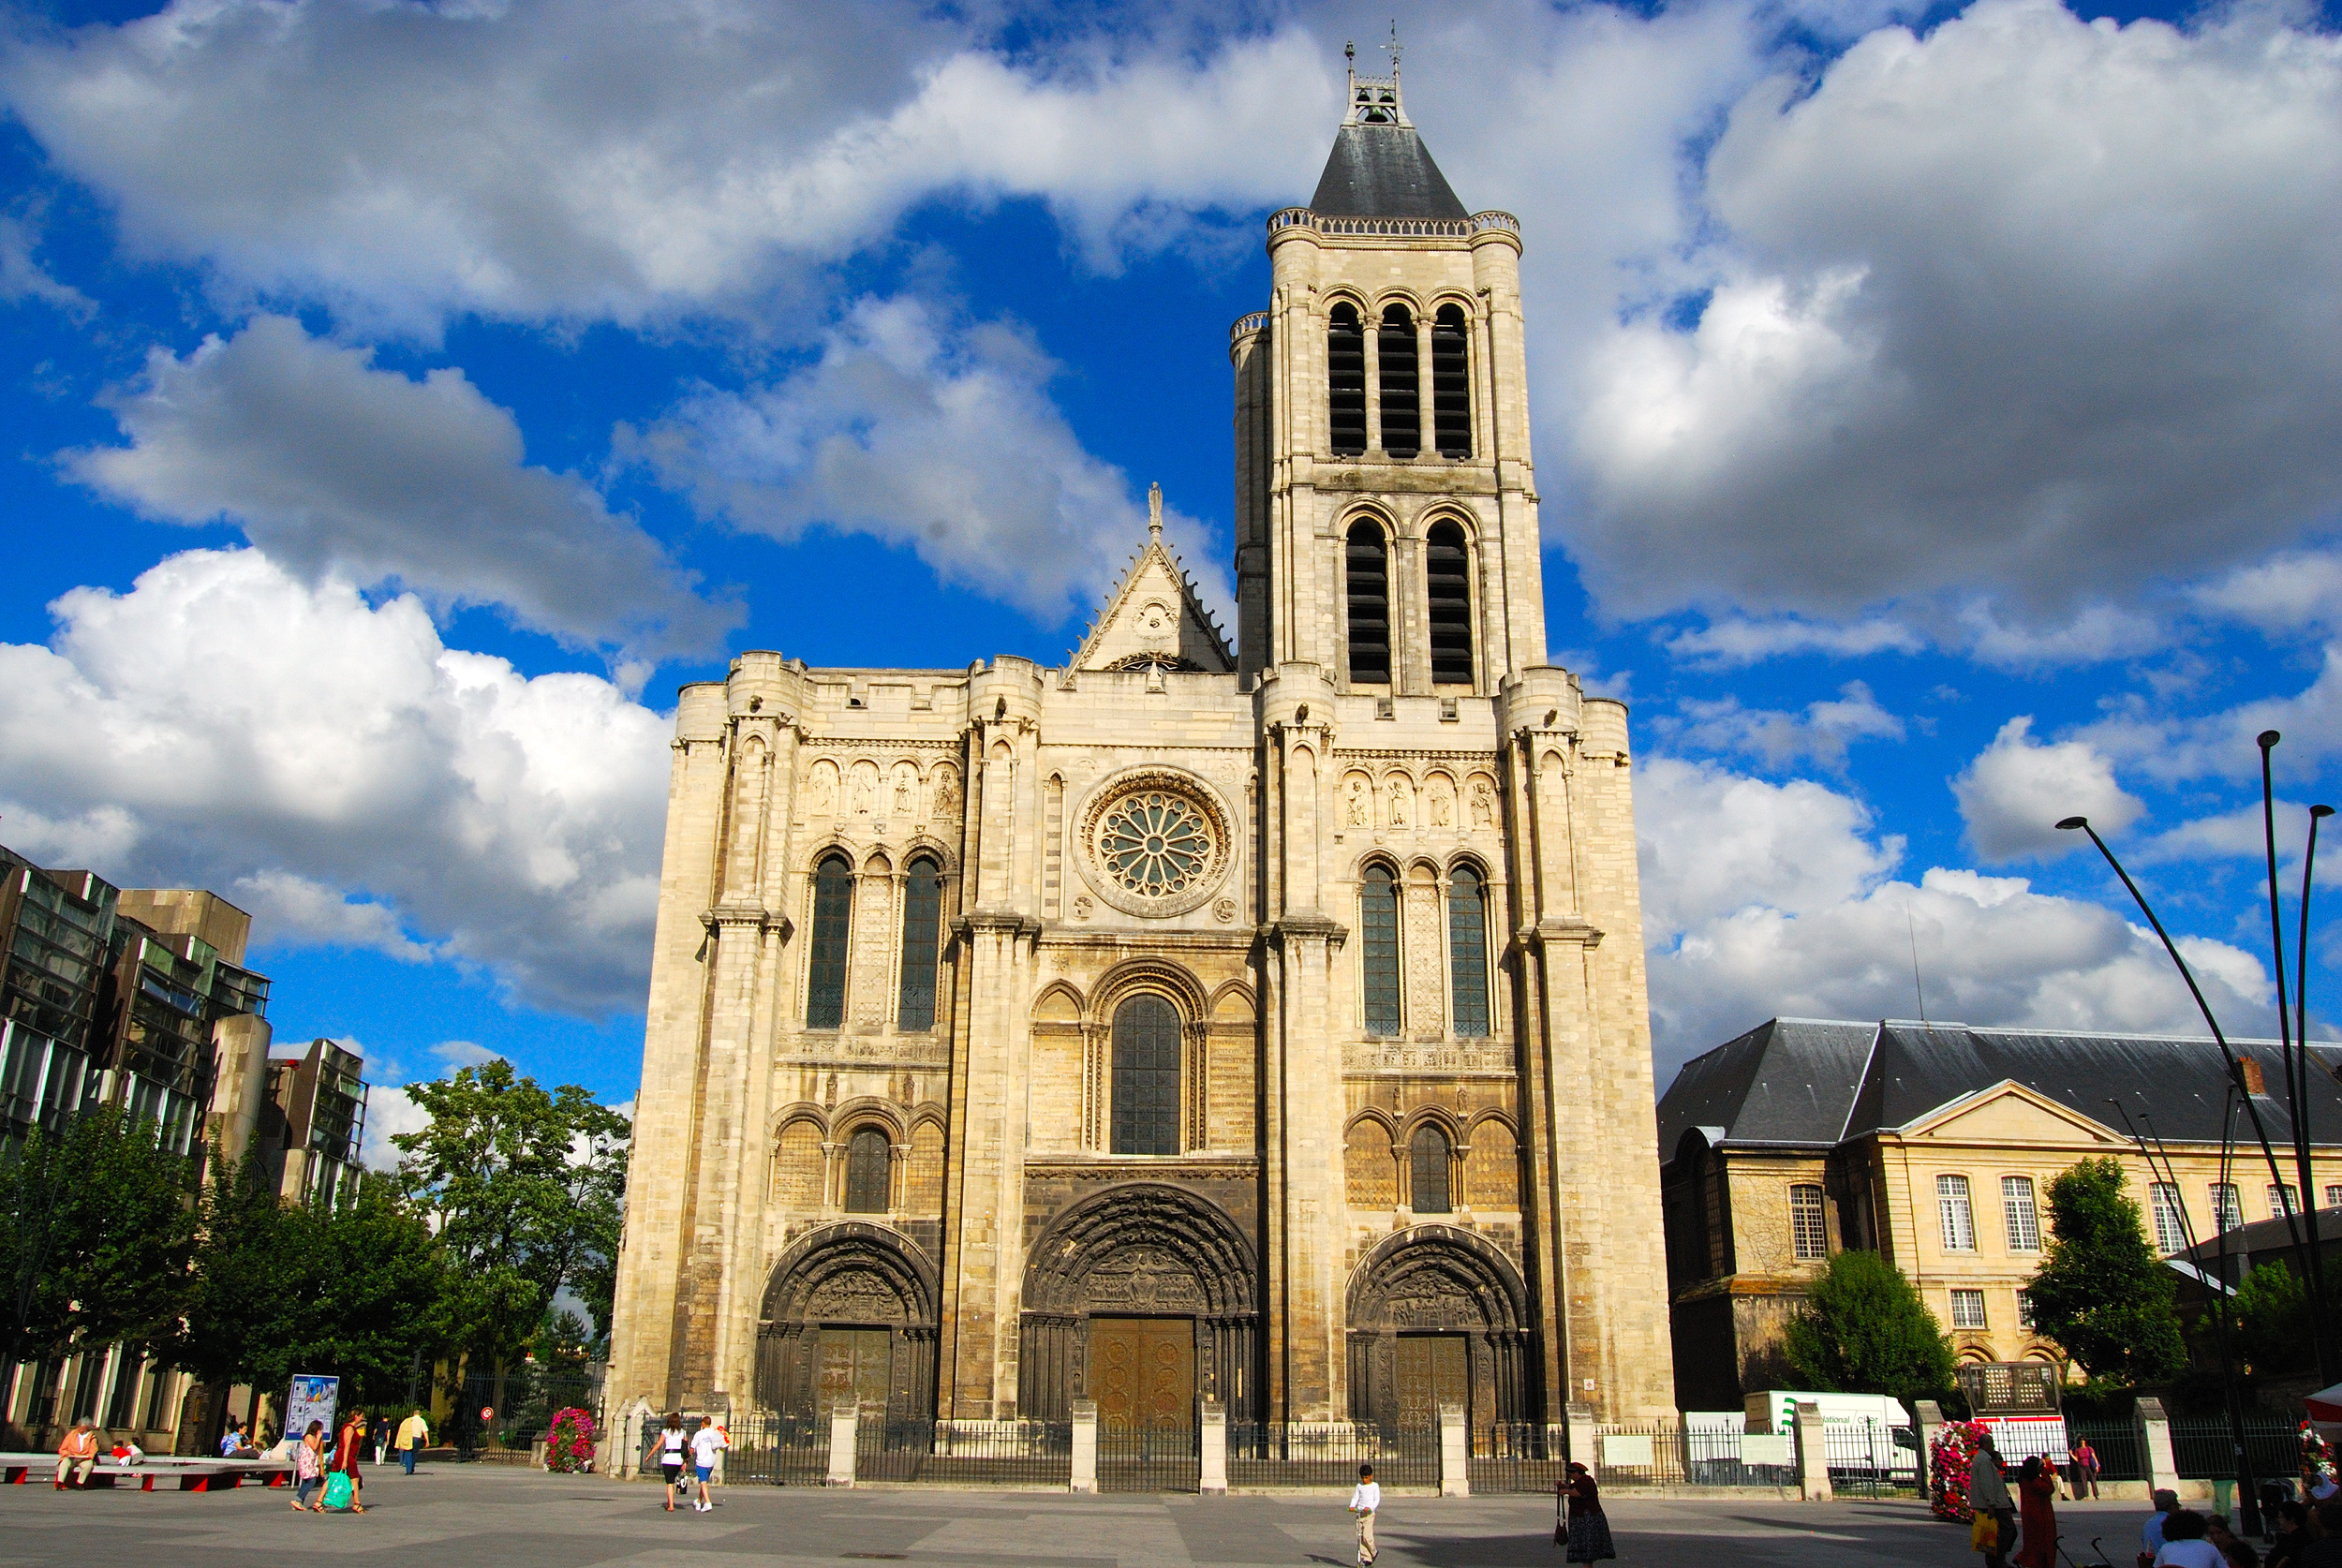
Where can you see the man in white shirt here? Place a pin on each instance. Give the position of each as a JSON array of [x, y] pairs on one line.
[[1365, 1499], [706, 1443]]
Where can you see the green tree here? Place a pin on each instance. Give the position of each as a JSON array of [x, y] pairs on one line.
[[523, 1187], [96, 1226], [1864, 1330], [2101, 1291]]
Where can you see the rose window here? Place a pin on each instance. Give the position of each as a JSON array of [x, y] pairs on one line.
[[1155, 844]]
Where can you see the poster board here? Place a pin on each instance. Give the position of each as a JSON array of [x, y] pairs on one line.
[[312, 1399]]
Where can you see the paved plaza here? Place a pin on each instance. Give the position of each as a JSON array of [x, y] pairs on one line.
[[482, 1516]]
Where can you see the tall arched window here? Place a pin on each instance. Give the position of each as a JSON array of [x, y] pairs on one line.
[[1146, 1076], [1403, 391], [1345, 381], [833, 919], [1365, 587], [1451, 384], [923, 923], [1447, 583], [1468, 952], [1426, 1159], [870, 1159], [1378, 940]]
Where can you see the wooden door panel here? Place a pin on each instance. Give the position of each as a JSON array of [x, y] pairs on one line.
[[1142, 1371], [1431, 1369]]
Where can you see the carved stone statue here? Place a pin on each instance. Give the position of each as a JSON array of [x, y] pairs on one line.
[[1483, 804], [1360, 811]]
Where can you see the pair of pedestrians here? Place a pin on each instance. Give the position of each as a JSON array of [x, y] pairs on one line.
[[701, 1448], [1579, 1526]]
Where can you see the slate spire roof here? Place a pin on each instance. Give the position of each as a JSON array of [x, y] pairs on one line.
[[1380, 167]]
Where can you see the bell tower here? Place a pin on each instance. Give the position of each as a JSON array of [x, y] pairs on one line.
[[1387, 508]]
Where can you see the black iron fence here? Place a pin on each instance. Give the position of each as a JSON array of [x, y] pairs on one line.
[[501, 1419], [1327, 1455], [2122, 1456], [2205, 1450], [775, 1450], [1147, 1457]]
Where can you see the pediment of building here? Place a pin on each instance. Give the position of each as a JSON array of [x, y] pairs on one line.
[[2009, 1113], [1154, 617]]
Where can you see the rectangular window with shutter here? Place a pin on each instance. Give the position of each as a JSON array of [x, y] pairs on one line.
[[1809, 1236], [1957, 1215], [2021, 1216]]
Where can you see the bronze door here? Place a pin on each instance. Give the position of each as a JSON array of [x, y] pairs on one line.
[[1432, 1369], [857, 1363], [1142, 1371]]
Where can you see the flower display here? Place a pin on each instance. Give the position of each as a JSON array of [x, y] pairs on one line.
[[1952, 1458], [569, 1441]]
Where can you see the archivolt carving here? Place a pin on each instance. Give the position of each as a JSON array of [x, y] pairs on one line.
[[1437, 1276], [1142, 1238], [853, 1263]]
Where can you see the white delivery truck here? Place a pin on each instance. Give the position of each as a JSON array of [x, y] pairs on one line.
[[1863, 1433]]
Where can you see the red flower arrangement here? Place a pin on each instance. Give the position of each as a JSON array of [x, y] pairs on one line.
[[569, 1441], [1954, 1459]]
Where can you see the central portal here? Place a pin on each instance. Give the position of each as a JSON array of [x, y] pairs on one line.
[[857, 1363], [1142, 1371], [1433, 1369]]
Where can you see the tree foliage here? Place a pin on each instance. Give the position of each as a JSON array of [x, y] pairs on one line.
[[1864, 1330], [525, 1188], [95, 1234], [2102, 1293]]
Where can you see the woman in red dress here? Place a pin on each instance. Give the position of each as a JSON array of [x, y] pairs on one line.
[[2036, 1519], [345, 1450]]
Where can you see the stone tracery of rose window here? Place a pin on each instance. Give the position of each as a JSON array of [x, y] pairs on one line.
[[1155, 844]]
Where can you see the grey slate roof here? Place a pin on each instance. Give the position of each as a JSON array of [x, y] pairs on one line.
[[1382, 171], [1815, 1083]]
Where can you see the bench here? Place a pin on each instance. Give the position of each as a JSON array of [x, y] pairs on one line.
[[180, 1475]]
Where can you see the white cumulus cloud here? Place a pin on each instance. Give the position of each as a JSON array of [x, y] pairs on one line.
[[338, 468], [253, 726], [2014, 792]]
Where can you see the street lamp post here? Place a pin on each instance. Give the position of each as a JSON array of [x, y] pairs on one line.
[[2297, 1107]]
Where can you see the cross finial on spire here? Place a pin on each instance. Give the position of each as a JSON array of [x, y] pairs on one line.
[[1391, 48], [1154, 513]]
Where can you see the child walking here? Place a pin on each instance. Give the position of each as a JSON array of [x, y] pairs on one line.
[[1365, 1499]]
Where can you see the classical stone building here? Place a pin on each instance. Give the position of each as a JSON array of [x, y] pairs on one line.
[[1935, 1146], [1261, 1024]]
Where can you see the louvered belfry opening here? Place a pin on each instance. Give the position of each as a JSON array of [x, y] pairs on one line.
[[1447, 582], [1402, 390], [1366, 585], [1451, 384], [1345, 381]]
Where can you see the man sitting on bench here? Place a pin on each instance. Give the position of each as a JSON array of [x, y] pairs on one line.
[[77, 1453]]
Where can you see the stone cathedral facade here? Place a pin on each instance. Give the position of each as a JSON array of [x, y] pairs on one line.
[[1260, 1023]]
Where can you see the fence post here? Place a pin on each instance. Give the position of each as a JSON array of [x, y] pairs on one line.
[[1085, 1445], [1931, 1416], [1212, 1474], [2155, 1444], [1582, 1434], [843, 1420], [1455, 1454], [1813, 1454]]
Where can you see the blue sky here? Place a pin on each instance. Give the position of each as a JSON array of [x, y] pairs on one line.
[[1938, 420]]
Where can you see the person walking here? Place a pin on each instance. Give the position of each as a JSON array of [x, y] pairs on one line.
[[1587, 1530], [2082, 1469], [1988, 1495], [346, 1455], [706, 1443], [2036, 1489], [77, 1453], [1365, 1500], [414, 1436], [672, 1447], [309, 1469]]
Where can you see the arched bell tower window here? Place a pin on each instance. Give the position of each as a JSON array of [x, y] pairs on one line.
[[1399, 374], [1451, 384], [1378, 938], [833, 919], [1468, 952], [1367, 588], [922, 922], [1448, 581], [1146, 1076], [869, 1159], [1345, 381], [1426, 1159]]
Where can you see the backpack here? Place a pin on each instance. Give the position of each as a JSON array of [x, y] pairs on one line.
[[337, 1490]]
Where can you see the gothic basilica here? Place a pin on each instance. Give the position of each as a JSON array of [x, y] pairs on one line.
[[1260, 1024]]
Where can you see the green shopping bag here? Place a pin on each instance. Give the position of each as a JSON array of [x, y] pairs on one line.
[[339, 1491]]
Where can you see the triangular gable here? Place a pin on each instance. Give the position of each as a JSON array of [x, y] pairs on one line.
[[1153, 617], [2009, 1113]]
